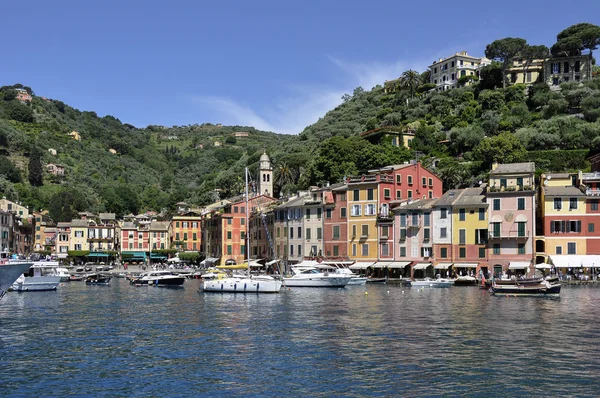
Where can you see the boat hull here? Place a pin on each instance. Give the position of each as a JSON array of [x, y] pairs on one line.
[[527, 290], [164, 282], [37, 284], [331, 281], [10, 272], [242, 285], [432, 283], [357, 281]]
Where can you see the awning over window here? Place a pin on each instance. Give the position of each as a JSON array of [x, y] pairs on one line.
[[543, 266], [465, 265], [98, 254], [271, 262], [136, 255], [398, 264], [442, 266], [381, 264], [361, 265], [419, 266], [518, 265], [576, 261], [157, 256]]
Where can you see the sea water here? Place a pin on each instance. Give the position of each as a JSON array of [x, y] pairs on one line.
[[372, 340]]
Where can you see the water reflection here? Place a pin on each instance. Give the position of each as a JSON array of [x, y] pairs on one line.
[[140, 341]]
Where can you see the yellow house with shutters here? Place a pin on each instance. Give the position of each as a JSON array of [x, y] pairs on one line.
[[78, 235], [363, 197]]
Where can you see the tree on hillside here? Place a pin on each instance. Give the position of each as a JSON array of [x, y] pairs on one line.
[[410, 79], [284, 175], [531, 53], [490, 76], [36, 172], [65, 205], [504, 50], [576, 38], [503, 148]]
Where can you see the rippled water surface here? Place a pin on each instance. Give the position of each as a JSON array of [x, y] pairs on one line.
[[122, 340]]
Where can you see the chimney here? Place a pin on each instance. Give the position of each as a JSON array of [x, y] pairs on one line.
[[494, 165]]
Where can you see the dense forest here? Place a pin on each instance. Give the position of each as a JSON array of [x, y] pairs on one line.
[[116, 167]]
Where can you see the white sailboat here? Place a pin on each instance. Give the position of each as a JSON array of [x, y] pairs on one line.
[[242, 283]]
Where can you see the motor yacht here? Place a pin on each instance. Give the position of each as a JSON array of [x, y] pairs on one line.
[[39, 277], [312, 277], [159, 278]]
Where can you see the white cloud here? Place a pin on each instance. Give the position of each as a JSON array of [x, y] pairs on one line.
[[302, 104]]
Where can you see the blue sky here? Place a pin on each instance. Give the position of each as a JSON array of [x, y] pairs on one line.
[[275, 65]]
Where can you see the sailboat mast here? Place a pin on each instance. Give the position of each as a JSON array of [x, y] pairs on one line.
[[247, 224]]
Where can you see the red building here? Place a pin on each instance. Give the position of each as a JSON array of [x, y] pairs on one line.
[[335, 224]]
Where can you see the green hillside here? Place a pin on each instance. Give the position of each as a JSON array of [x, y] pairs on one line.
[[154, 167]]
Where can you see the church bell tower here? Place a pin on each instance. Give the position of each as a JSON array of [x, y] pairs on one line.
[[265, 174]]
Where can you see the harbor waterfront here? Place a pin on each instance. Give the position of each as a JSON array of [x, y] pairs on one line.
[[378, 340]]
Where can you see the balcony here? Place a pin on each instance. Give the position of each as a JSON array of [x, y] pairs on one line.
[[592, 192], [512, 188], [365, 178], [508, 235], [312, 201], [590, 176], [385, 217], [384, 237]]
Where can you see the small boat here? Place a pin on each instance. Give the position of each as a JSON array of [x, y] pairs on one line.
[[97, 279], [159, 278], [311, 277], [536, 287], [76, 277], [465, 280], [428, 282], [37, 278]]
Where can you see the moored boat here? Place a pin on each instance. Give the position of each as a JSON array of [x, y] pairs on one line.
[[160, 278], [527, 287], [97, 279], [242, 284], [465, 280], [38, 278], [428, 282], [312, 277], [10, 271]]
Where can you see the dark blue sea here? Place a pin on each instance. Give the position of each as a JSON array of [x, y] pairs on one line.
[[122, 340]]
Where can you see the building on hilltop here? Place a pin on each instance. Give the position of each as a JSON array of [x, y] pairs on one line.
[[446, 72], [55, 169], [396, 135], [558, 70], [75, 135], [241, 134], [23, 95], [519, 73]]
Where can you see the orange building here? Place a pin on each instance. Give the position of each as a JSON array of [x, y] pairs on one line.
[[186, 233]]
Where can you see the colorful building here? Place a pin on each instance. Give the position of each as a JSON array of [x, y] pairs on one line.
[[335, 225], [511, 212], [414, 231], [185, 232]]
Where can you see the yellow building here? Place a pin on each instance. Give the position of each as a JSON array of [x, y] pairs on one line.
[[78, 235], [14, 207], [563, 215], [519, 73], [186, 231], [396, 135], [363, 197], [469, 231], [75, 135]]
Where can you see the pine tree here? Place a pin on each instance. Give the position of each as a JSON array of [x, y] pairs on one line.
[[35, 168]]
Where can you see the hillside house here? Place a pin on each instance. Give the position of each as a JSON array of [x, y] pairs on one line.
[[23, 95], [55, 169], [241, 134], [75, 135], [52, 151]]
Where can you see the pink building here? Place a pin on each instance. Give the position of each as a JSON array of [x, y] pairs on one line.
[[511, 206], [414, 232]]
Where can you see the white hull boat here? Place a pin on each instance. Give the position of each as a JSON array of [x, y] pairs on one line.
[[161, 278], [10, 272], [355, 279], [41, 276], [242, 284], [36, 283], [427, 282], [311, 277]]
